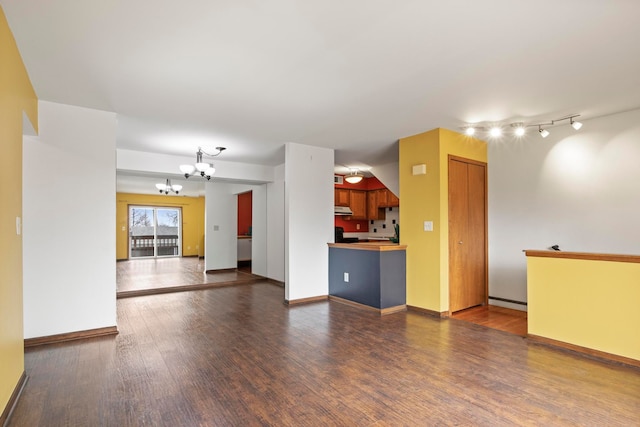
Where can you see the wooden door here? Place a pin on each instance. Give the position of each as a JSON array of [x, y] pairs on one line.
[[467, 234]]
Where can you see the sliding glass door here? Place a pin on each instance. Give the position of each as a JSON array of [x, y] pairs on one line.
[[154, 232]]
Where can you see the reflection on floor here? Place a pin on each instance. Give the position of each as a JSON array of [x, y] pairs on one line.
[[161, 275], [504, 319]]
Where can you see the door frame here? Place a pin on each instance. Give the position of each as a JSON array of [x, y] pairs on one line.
[[451, 157], [154, 207]]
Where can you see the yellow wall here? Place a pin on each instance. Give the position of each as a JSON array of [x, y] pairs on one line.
[[425, 198], [192, 220], [593, 304], [16, 95]]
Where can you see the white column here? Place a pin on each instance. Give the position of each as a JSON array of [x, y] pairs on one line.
[[308, 220]]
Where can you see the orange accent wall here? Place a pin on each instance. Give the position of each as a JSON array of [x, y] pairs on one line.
[[366, 184], [245, 206], [350, 225]]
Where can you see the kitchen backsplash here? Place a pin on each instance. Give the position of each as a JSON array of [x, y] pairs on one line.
[[381, 228]]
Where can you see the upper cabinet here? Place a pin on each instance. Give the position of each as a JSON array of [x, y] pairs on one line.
[[358, 204], [386, 199], [341, 196], [373, 211], [366, 204]]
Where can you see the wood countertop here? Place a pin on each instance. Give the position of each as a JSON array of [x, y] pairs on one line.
[[582, 255], [370, 246]]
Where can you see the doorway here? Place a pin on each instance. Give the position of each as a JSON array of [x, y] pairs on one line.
[[467, 233], [155, 232], [245, 231]]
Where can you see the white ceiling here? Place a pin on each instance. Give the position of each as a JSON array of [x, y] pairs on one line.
[[354, 75]]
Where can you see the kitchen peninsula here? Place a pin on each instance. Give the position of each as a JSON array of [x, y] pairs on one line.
[[371, 274]]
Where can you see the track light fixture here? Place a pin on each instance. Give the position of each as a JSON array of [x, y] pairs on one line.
[[167, 187], [519, 128], [204, 169]]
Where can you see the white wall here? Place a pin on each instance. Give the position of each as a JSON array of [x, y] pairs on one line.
[[308, 220], [221, 226], [140, 161], [275, 226], [389, 175], [578, 189], [259, 230], [69, 217]]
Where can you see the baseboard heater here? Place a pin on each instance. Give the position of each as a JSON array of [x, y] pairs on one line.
[[508, 300]]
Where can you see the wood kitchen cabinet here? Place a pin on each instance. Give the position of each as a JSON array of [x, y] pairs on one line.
[[392, 200], [358, 204], [373, 210], [386, 199], [341, 196]]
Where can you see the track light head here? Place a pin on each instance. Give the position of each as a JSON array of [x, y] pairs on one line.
[[495, 131], [543, 132], [574, 124], [470, 130], [518, 129]]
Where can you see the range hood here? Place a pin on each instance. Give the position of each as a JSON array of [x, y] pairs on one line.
[[342, 210]]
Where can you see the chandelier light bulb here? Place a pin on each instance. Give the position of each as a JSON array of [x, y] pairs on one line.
[[187, 169]]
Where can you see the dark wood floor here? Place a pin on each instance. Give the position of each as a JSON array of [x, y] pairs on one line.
[[238, 356]]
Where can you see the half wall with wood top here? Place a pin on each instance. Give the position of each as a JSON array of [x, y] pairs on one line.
[[586, 302]]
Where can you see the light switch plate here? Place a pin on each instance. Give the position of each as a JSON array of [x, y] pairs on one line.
[[18, 225], [428, 226]]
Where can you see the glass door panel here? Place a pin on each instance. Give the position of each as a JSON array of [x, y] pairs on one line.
[[168, 231], [141, 232]]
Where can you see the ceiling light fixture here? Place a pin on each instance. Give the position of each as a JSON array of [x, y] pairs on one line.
[[354, 177], [204, 169], [167, 187], [519, 128]]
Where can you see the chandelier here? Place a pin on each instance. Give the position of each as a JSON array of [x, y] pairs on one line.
[[167, 187], [204, 169]]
